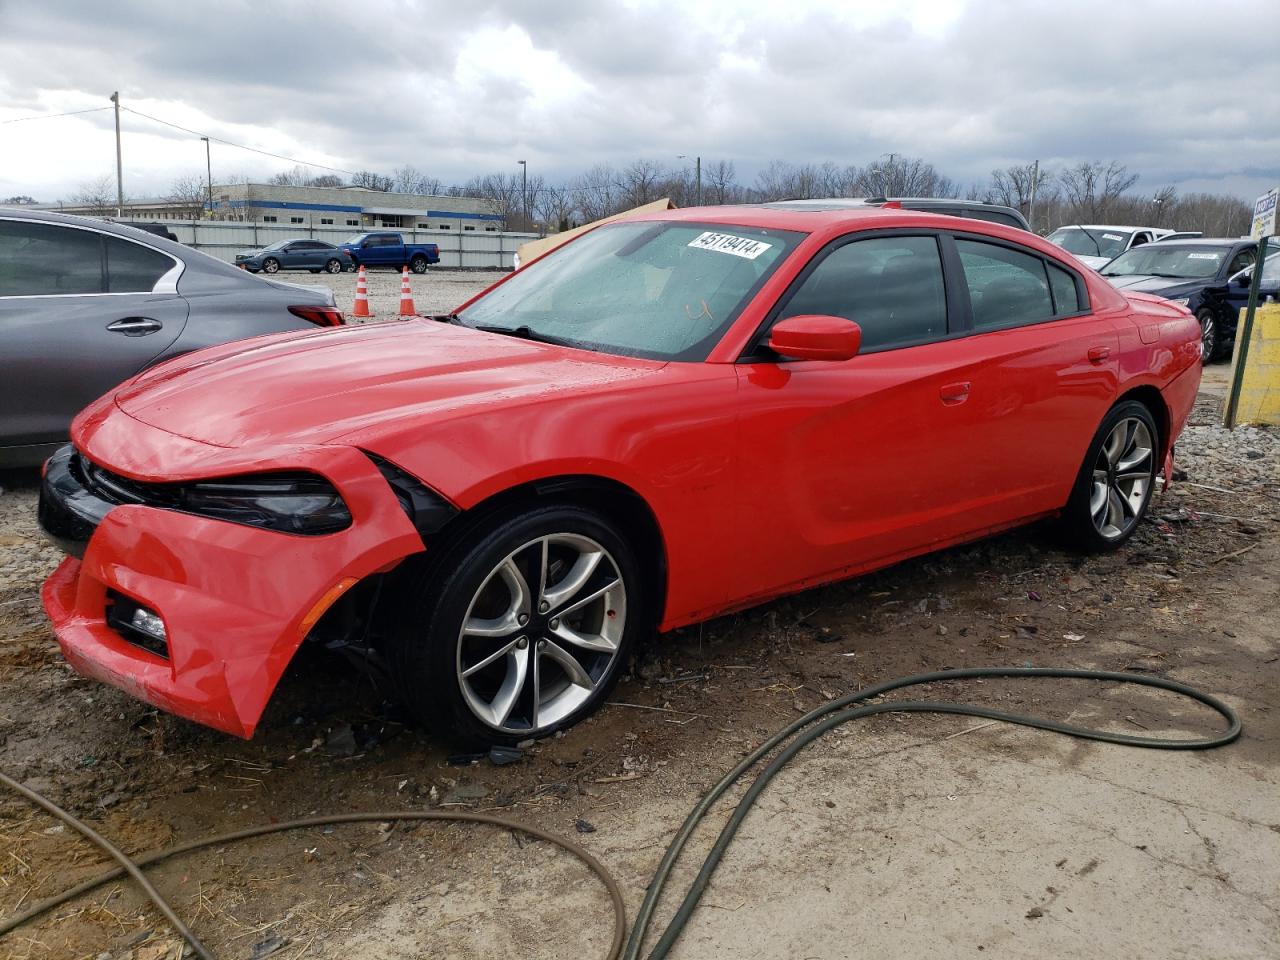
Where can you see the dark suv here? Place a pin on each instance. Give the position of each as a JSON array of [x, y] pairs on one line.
[[1194, 273]]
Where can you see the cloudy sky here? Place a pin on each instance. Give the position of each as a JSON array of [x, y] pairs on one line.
[[455, 89]]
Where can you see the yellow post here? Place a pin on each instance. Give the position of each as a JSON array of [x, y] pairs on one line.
[[1258, 399]]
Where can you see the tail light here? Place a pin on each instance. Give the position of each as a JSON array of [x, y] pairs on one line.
[[321, 316]]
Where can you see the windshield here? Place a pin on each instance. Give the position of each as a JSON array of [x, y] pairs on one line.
[[1190, 263], [1091, 241], [666, 290]]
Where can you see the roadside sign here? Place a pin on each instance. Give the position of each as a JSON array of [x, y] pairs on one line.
[[1264, 214]]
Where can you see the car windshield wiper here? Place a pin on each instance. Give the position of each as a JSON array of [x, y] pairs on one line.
[[1092, 238], [525, 332], [447, 318]]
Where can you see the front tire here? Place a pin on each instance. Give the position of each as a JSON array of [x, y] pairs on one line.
[[418, 264], [1210, 336], [271, 265], [520, 628], [1114, 486]]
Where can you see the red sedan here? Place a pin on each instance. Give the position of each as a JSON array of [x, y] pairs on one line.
[[666, 419]]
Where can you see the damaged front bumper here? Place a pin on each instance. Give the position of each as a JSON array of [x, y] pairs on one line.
[[235, 601]]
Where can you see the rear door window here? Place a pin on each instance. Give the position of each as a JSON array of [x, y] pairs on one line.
[[132, 268], [1007, 288], [892, 287], [44, 259]]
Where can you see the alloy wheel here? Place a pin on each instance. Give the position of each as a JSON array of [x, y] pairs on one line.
[[333, 266], [1208, 337], [270, 266], [541, 633], [1122, 478]]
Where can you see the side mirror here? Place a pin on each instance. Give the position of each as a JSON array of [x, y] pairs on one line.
[[816, 337]]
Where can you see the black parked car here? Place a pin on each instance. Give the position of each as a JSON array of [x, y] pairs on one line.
[[313, 255], [1194, 273]]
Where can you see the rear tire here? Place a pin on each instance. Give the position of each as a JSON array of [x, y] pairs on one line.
[[418, 264], [518, 628], [1115, 482], [333, 266]]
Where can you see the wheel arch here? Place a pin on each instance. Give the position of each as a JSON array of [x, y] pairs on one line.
[[1151, 398], [618, 502]]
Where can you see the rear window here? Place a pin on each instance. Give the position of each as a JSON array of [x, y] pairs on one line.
[[1007, 288], [132, 268]]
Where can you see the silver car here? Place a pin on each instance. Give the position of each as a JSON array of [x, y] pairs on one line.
[[85, 304]]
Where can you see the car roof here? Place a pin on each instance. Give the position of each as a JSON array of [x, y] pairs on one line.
[[783, 216], [1204, 242]]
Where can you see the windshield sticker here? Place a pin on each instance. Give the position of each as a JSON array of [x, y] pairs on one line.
[[1204, 256], [1112, 236], [728, 243]]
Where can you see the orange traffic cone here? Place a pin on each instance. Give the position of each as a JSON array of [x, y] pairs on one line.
[[361, 308], [406, 295]]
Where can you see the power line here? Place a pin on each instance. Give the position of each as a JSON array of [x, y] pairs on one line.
[[50, 116], [241, 146]]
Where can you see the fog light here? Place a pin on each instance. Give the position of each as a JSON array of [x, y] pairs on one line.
[[148, 622]]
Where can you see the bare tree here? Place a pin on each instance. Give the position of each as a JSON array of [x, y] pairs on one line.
[[410, 179], [555, 207], [642, 182], [191, 194], [326, 180], [98, 195], [371, 180], [503, 191], [299, 176], [897, 176], [22, 200], [1090, 190], [596, 193], [720, 181]]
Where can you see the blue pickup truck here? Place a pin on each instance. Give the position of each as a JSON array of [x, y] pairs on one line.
[[390, 250]]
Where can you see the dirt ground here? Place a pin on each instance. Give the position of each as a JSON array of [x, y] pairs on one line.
[[899, 837]]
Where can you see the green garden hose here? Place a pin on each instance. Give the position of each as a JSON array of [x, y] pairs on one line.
[[792, 739]]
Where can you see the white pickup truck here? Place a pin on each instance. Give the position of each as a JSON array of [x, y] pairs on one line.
[[1096, 245]]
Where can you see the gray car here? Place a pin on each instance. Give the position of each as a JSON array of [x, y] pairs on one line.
[[85, 304]]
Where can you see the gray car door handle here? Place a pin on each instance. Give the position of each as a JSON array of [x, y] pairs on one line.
[[135, 326]]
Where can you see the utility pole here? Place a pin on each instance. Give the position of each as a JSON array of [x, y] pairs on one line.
[[115, 98], [208, 167], [524, 190], [1031, 205], [697, 166]]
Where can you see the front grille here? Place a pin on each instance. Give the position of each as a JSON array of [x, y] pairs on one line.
[[117, 489]]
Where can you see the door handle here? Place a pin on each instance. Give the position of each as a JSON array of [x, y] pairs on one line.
[[1099, 354], [954, 393], [135, 326]]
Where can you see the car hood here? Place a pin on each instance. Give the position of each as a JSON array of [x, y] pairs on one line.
[[1094, 262], [1165, 286], [318, 387]]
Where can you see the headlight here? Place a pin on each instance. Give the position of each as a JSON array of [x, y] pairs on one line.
[[290, 503], [1181, 301]]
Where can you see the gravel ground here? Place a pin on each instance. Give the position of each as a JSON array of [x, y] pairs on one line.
[[920, 837], [436, 291]]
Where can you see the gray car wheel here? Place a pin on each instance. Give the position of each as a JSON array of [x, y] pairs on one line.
[[333, 266], [520, 627], [1116, 481], [271, 265]]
